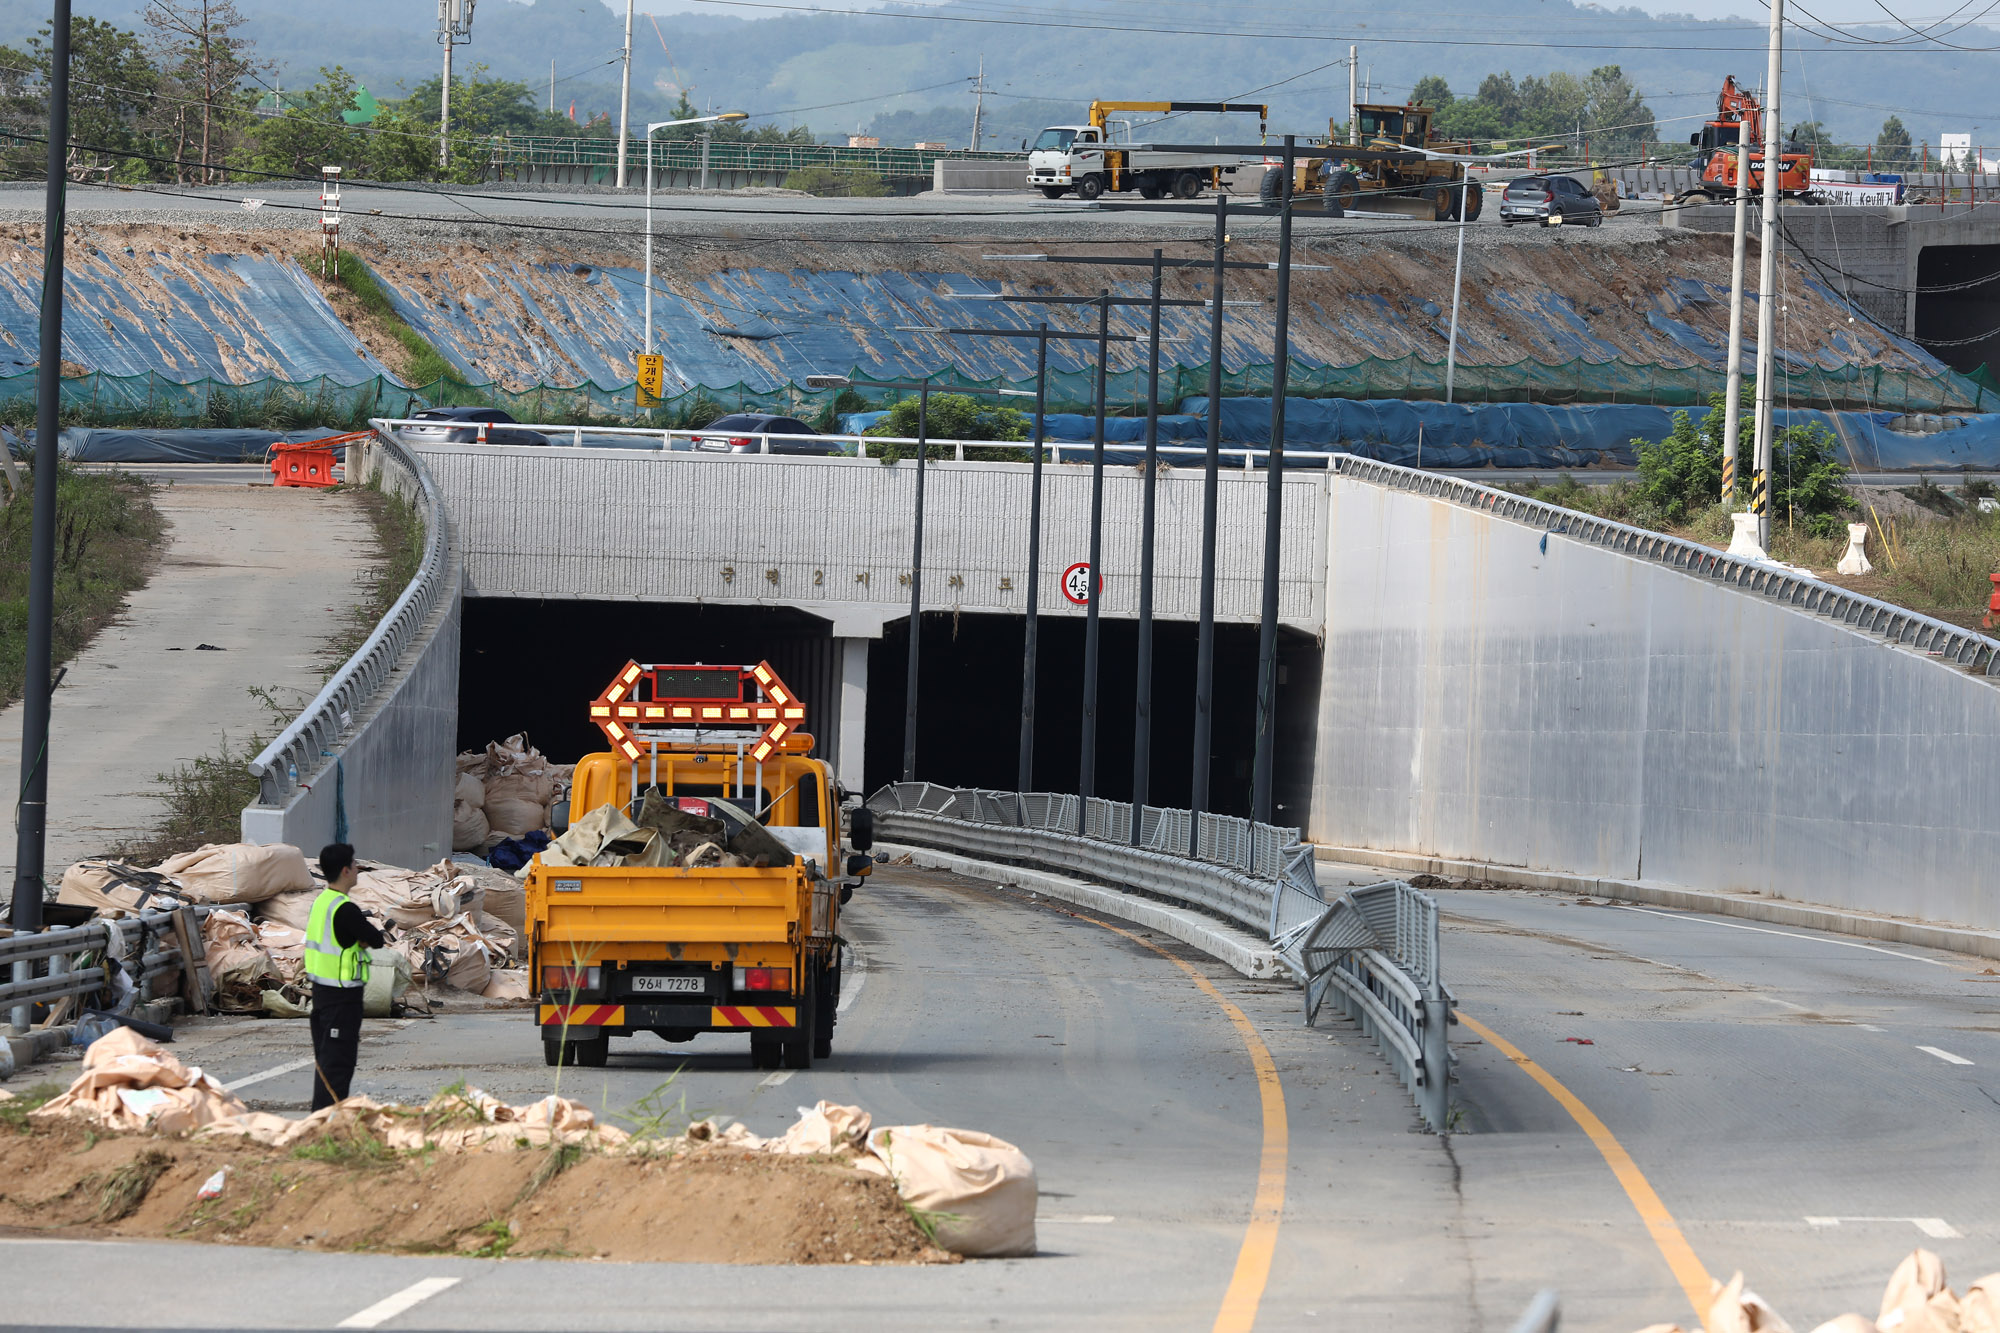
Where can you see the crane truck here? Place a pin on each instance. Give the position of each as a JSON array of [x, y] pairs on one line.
[[713, 902], [1739, 120], [1099, 156]]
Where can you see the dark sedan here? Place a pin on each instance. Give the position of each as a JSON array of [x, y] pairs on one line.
[[462, 425], [1549, 200], [737, 434]]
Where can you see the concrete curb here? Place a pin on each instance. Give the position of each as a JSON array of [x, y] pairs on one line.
[[44, 1042], [1241, 952], [1748, 907]]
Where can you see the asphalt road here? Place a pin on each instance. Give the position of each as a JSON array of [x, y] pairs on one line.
[[1759, 1080]]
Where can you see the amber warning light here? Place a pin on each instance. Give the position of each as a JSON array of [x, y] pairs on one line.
[[704, 698]]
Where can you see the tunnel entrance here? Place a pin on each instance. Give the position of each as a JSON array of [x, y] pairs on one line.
[[1971, 312], [535, 666], [969, 728]]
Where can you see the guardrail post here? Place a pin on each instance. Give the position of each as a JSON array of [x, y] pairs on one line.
[[23, 1013], [1437, 1056]]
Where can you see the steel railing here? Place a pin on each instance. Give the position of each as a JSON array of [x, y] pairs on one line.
[[146, 946], [1374, 949], [313, 738], [1960, 647], [730, 155]]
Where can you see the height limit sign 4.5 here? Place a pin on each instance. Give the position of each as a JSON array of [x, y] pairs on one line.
[[1077, 584]]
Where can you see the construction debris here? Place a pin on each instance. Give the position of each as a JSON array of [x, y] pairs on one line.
[[502, 792], [1917, 1300]]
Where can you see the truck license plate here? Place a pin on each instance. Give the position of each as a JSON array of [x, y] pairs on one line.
[[668, 985]]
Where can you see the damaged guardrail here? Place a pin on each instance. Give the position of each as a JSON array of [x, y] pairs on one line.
[[1373, 949], [40, 966]]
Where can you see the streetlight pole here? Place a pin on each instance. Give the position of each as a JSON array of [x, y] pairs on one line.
[[31, 839], [625, 98], [1086, 780], [1767, 282], [659, 125], [916, 588], [1142, 706], [1031, 628], [1204, 658], [1457, 278], [1274, 505], [1732, 394]]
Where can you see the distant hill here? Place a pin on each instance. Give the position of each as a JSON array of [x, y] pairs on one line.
[[839, 72]]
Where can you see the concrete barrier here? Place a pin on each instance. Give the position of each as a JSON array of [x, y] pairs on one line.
[[951, 176]]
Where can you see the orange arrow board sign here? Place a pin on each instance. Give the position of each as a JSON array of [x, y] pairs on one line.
[[699, 697]]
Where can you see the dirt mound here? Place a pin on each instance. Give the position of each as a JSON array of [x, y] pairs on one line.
[[715, 1206]]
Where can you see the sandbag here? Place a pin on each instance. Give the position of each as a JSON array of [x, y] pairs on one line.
[[292, 909], [286, 948], [469, 789], [1848, 1323], [413, 897], [388, 979], [1917, 1299], [473, 762], [237, 963], [239, 872], [469, 829], [516, 757], [1979, 1312], [507, 984], [513, 816], [118, 890], [502, 937], [981, 1189], [509, 902], [130, 1084]]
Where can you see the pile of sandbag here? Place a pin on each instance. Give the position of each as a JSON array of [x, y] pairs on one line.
[[1917, 1300], [438, 919], [979, 1189], [502, 792], [214, 873]]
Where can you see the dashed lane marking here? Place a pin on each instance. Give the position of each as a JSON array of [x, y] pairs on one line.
[[1086, 1220], [1945, 1056], [1267, 1206], [1934, 1227], [1666, 1232], [1790, 935], [848, 994], [773, 1080], [278, 1072], [382, 1311]]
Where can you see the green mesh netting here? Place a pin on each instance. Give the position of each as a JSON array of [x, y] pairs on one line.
[[96, 398]]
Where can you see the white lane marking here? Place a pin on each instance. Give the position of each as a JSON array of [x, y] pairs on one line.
[[1087, 1220], [1934, 1227], [1790, 935], [773, 1080], [281, 1070], [382, 1311], [1870, 1027], [849, 994], [1945, 1056]]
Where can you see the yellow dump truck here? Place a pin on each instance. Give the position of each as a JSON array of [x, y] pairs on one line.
[[699, 883]]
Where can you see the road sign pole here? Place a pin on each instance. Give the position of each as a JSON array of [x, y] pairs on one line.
[[916, 589], [1274, 511], [1204, 664], [1031, 629], [1086, 776], [1142, 717]]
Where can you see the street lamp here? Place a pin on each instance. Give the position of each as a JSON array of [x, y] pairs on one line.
[[661, 125]]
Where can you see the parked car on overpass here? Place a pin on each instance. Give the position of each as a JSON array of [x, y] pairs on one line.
[[737, 434], [461, 425]]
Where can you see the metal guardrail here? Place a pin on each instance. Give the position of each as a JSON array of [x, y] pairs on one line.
[[729, 155], [1963, 648], [1374, 949], [145, 945], [313, 738]]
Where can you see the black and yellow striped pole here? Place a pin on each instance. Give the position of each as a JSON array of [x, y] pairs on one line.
[[1728, 478], [1760, 495]]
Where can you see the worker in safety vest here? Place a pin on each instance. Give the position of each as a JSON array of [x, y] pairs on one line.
[[337, 937]]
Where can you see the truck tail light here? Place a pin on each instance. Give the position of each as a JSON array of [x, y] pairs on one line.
[[571, 978], [764, 978]]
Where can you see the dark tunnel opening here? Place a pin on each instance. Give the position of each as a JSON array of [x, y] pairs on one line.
[[975, 741], [534, 666], [1960, 327]]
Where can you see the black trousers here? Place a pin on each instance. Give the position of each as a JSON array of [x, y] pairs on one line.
[[336, 1033]]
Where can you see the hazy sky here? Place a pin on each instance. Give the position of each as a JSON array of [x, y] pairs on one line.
[[1833, 11]]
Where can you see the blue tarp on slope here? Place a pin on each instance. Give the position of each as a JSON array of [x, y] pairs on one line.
[[178, 446]]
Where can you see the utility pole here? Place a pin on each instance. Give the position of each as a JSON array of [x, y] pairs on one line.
[[552, 87], [1204, 654], [1086, 779], [1457, 283], [454, 28], [1142, 716], [625, 93], [979, 105], [1353, 99], [1767, 283], [36, 686], [1732, 406]]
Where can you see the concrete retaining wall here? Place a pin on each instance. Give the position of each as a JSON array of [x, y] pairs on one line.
[[979, 175], [392, 782], [1491, 696]]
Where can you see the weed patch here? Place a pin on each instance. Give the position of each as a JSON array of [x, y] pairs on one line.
[[14, 1111], [126, 1187]]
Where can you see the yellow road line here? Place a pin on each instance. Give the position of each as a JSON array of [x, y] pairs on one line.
[[1267, 1209], [1666, 1232]]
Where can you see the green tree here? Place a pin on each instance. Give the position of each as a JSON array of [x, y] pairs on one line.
[[1616, 119], [1432, 90], [112, 92], [1808, 480], [206, 70], [311, 133], [950, 416], [1892, 146]]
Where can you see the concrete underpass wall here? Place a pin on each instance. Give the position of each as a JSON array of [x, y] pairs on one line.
[[392, 781], [1561, 707]]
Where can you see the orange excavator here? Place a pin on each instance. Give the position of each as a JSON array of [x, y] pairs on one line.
[[1739, 119]]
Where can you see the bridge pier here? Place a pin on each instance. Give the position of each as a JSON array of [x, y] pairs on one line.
[[852, 746]]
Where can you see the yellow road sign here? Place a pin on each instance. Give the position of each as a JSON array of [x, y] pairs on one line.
[[652, 377]]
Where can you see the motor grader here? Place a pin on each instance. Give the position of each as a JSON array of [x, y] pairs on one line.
[[1398, 165]]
